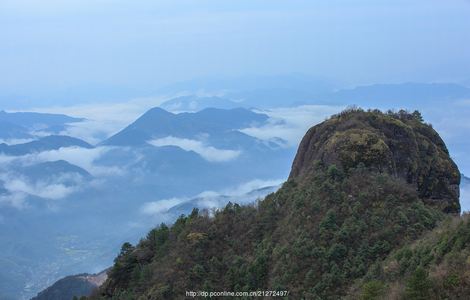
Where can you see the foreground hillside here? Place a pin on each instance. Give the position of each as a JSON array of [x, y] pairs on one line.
[[364, 187], [434, 267]]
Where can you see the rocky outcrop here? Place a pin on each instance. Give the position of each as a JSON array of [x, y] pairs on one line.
[[400, 144]]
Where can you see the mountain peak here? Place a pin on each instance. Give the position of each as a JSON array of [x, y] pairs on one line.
[[152, 116], [399, 144], [159, 123], [158, 111]]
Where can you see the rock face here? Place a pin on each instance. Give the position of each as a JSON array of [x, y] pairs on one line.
[[399, 144]]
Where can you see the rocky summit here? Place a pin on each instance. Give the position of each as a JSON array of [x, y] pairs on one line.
[[399, 144]]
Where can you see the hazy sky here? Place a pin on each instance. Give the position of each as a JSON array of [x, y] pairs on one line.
[[56, 44]]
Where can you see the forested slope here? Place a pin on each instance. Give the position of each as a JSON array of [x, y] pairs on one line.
[[364, 188]]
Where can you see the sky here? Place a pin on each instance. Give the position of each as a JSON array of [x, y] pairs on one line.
[[54, 47], [68, 56]]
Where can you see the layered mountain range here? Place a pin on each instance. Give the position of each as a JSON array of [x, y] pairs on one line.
[[60, 185], [201, 151], [20, 125]]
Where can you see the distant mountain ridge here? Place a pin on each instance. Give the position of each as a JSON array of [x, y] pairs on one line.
[[30, 119], [401, 95], [47, 143], [22, 124], [404, 95], [13, 131], [220, 126], [53, 168]]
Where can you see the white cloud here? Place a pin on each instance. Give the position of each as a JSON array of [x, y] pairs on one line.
[[103, 119], [17, 200], [53, 187], [17, 188], [243, 194], [252, 186], [82, 157], [93, 131], [42, 189], [209, 153], [5, 159], [15, 141], [290, 124], [161, 206]]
